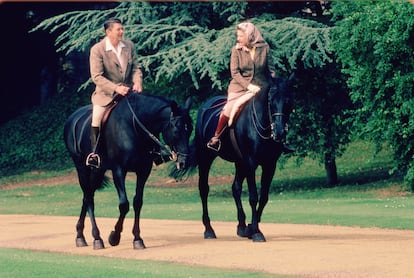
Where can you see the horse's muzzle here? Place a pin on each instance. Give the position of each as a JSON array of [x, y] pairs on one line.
[[278, 133], [181, 161]]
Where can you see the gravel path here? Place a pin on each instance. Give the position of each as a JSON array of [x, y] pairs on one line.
[[300, 250]]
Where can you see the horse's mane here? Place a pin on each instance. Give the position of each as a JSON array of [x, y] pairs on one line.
[[153, 98]]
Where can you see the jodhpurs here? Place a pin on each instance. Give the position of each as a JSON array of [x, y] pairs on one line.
[[97, 115]]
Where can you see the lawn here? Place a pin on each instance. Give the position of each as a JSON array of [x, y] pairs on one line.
[[367, 196]]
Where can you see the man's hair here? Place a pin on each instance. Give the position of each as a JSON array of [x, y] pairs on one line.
[[111, 21]]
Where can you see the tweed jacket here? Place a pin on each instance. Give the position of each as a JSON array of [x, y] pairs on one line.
[[107, 73], [244, 70]]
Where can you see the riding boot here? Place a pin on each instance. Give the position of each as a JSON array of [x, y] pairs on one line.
[[93, 159], [215, 142]]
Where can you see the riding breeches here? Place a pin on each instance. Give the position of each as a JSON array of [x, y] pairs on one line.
[[231, 100], [97, 114]]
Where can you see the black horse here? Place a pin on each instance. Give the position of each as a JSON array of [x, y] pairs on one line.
[[254, 139], [127, 141]]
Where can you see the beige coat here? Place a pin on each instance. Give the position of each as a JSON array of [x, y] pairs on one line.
[[244, 70], [107, 73]]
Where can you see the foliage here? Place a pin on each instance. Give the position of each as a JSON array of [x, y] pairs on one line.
[[185, 47], [374, 41], [321, 122], [38, 142], [192, 39]]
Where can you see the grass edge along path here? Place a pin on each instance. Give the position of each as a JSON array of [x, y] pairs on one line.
[[25, 263]]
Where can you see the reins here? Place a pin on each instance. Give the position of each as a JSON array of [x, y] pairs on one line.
[[163, 147], [256, 121]]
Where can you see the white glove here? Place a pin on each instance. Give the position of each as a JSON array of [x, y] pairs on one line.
[[253, 88]]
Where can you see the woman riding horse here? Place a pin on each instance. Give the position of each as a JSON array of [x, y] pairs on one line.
[[251, 68]]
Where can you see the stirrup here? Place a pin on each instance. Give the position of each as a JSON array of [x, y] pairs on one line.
[[93, 160], [215, 146]]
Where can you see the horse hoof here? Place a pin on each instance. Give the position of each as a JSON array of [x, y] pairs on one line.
[[81, 242], [139, 244], [98, 244], [249, 231], [114, 238], [242, 231], [258, 237], [209, 234]]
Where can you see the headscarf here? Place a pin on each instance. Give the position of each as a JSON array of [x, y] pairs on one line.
[[253, 34]]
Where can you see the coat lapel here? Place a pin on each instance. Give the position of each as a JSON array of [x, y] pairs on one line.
[[125, 54]]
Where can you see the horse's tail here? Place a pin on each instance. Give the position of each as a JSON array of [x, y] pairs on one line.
[[190, 169], [99, 180], [106, 182]]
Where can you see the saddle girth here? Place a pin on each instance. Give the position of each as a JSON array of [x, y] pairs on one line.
[[234, 142]]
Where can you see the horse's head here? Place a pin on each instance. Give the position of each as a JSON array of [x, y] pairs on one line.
[[177, 134], [280, 106]]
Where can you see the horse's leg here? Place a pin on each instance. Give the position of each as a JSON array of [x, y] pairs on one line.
[[119, 180], [253, 228], [83, 177], [204, 189], [142, 176], [89, 181], [268, 172], [237, 191]]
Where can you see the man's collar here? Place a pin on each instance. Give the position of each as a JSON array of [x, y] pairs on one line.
[[109, 46]]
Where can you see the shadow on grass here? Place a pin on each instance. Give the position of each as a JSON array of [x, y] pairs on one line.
[[358, 181], [355, 180]]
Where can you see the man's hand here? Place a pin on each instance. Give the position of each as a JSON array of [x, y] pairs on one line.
[[122, 90]]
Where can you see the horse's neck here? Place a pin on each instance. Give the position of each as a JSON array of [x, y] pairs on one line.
[[150, 111], [260, 106]]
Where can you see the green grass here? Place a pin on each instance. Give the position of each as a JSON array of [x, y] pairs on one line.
[[338, 206], [20, 263], [366, 196]]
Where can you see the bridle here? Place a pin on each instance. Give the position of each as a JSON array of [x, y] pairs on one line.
[[164, 148], [260, 129]]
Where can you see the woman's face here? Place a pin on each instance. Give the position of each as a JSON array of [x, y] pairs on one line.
[[241, 38]]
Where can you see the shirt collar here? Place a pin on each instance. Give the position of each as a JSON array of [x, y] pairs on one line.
[[109, 46]]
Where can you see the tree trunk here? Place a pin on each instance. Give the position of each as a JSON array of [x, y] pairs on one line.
[[331, 173]]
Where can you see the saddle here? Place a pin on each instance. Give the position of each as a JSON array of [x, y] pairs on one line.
[[108, 109]]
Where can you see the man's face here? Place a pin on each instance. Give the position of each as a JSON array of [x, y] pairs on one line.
[[115, 32]]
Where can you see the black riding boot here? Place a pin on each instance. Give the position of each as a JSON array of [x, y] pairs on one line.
[[93, 159]]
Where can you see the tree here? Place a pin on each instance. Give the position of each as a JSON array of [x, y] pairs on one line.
[[374, 41], [187, 46]]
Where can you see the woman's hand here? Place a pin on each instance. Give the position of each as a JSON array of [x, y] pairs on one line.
[[253, 88]]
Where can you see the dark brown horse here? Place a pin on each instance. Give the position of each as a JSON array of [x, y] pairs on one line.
[[128, 139], [255, 139]]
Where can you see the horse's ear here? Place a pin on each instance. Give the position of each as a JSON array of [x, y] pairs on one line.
[[188, 104]]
